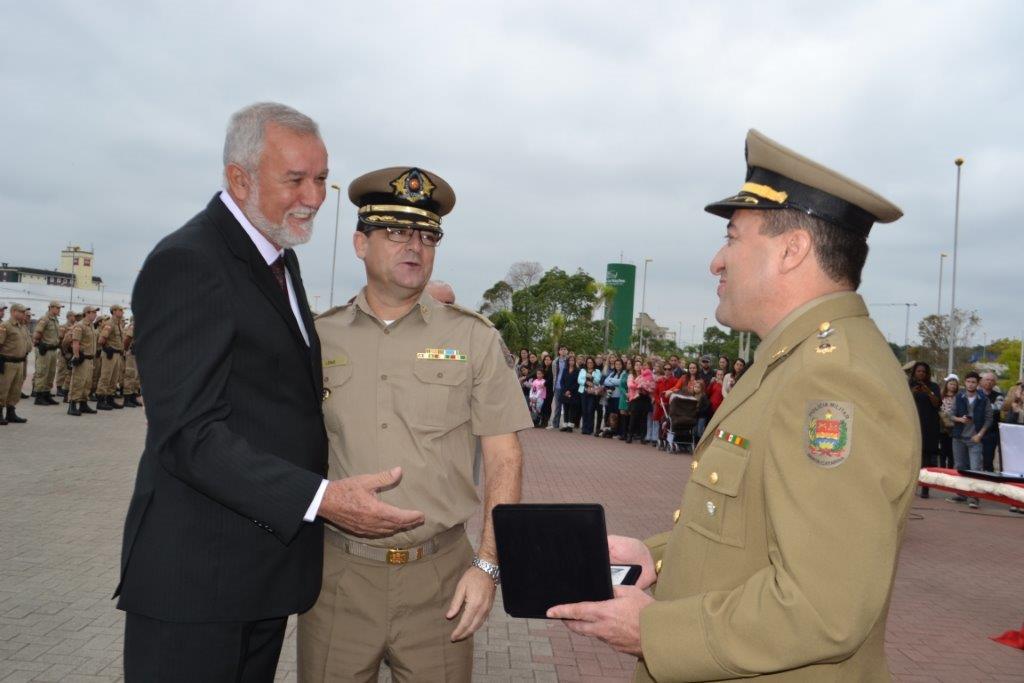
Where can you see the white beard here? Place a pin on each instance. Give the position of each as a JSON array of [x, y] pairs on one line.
[[281, 233]]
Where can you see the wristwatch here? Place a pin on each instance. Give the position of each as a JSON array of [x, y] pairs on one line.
[[488, 568]]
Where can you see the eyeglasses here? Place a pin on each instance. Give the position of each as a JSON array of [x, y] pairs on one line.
[[429, 238]]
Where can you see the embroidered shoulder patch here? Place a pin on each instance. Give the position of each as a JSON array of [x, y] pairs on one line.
[[829, 432]]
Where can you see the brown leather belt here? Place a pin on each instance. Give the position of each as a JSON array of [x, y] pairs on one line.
[[395, 555]]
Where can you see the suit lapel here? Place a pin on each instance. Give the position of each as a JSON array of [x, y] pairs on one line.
[[243, 248], [291, 262]]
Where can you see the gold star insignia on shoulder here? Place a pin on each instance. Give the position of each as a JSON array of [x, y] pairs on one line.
[[825, 329]]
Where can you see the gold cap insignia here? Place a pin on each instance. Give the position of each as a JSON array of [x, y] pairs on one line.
[[413, 186]]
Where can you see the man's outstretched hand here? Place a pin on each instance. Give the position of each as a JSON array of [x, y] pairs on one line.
[[352, 505]]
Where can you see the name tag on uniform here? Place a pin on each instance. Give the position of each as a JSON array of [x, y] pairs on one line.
[[337, 360], [442, 354]]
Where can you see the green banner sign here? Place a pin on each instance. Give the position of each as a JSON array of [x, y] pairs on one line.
[[622, 276]]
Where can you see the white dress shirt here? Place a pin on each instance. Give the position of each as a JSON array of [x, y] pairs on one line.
[[270, 254]]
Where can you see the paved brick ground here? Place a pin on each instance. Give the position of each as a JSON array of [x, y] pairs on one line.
[[65, 482]]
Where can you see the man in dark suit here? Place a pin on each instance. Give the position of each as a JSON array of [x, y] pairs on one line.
[[224, 535]]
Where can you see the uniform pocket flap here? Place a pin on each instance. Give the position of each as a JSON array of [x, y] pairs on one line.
[[336, 375], [721, 470], [447, 372]]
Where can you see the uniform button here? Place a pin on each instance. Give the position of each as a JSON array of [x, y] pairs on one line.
[[712, 508], [384, 425], [676, 515], [694, 465], [384, 377], [326, 380], [440, 375], [325, 394], [657, 567], [713, 477], [387, 330]]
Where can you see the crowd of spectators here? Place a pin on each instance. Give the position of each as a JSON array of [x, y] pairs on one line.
[[960, 423], [620, 396]]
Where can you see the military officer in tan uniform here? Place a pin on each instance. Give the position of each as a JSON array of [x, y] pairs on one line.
[[130, 381], [15, 344], [111, 349], [46, 339], [412, 379], [783, 553], [64, 355], [83, 353]]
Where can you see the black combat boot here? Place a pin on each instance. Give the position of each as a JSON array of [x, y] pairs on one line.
[[74, 410], [113, 404], [50, 401], [40, 399], [12, 416], [102, 403], [3, 420], [131, 402], [83, 406]]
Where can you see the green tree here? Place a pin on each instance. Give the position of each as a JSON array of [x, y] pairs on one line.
[[934, 333], [1007, 352], [497, 298], [545, 309]]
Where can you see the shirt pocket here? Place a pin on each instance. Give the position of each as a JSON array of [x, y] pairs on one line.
[[443, 393], [715, 503], [335, 377]]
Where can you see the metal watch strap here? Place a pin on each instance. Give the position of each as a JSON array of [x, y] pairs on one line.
[[488, 568]]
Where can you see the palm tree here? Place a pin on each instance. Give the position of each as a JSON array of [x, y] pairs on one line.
[[557, 322]]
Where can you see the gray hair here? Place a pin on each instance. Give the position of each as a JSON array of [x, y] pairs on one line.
[[243, 143]]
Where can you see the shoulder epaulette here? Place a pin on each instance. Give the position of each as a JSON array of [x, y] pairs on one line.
[[470, 312], [332, 311]]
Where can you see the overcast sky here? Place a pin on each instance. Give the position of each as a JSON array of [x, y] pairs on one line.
[[571, 132]]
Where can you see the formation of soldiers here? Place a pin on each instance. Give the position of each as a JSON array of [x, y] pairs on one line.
[[87, 357]]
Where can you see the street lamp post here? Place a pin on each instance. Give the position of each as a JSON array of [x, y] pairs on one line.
[[703, 331], [938, 307], [906, 329], [643, 303], [959, 161], [334, 252]]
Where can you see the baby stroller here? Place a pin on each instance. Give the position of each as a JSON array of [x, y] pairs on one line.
[[682, 417]]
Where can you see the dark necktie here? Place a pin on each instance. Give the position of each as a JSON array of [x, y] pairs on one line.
[[277, 268]]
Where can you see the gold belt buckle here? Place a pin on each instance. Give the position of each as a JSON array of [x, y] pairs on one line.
[[397, 556]]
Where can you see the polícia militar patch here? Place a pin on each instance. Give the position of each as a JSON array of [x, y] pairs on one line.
[[829, 432]]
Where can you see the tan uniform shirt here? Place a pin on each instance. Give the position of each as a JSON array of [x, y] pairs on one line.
[[113, 330], [416, 393], [49, 328], [783, 556], [15, 341], [85, 334]]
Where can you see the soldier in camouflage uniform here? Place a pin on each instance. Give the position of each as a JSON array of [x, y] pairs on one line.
[[46, 339], [64, 355], [83, 351], [130, 384], [15, 344], [111, 345]]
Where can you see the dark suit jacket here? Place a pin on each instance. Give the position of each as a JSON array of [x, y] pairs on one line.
[[236, 446]]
